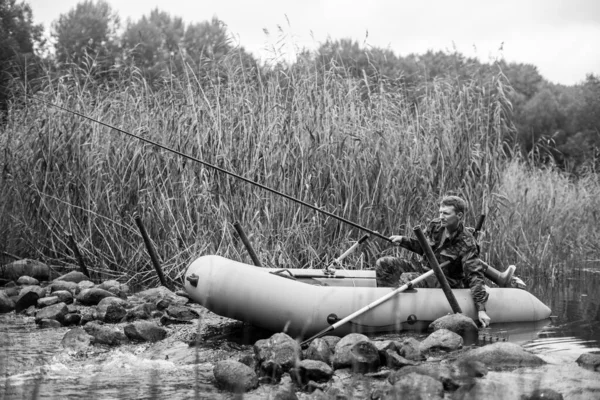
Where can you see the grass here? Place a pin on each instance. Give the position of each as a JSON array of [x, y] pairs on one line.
[[361, 151]]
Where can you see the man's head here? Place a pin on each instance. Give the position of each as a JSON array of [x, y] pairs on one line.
[[452, 211]]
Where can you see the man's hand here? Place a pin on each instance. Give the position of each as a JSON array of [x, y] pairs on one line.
[[396, 239], [484, 319]]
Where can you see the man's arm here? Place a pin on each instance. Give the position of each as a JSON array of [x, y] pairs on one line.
[[474, 274]]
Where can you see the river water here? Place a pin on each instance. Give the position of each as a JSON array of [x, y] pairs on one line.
[[33, 364]]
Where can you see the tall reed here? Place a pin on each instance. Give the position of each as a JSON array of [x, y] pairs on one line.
[[370, 156]]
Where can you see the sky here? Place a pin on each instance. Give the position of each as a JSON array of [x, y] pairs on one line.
[[560, 37]]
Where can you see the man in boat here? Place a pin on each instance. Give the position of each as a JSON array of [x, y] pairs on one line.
[[450, 241]]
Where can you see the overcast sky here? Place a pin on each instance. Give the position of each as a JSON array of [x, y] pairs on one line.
[[560, 37]]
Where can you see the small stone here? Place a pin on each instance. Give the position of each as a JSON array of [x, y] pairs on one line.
[[27, 280], [48, 323], [47, 301], [73, 276]]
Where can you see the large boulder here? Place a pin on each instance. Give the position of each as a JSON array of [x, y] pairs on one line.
[[409, 348], [459, 324], [234, 376], [356, 351], [589, 361], [104, 334], [76, 339], [56, 312], [441, 339], [502, 355], [25, 267], [93, 296], [276, 355], [73, 276], [145, 331], [29, 296], [111, 309], [6, 303], [319, 350]]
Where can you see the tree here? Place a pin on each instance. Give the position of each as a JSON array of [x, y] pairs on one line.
[[88, 31], [18, 39], [206, 40], [154, 42]]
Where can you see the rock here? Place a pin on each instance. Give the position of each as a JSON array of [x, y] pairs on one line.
[[64, 296], [319, 350], [27, 281], [341, 354], [440, 372], [409, 348], [543, 394], [441, 339], [589, 361], [93, 296], [416, 386], [394, 360], [234, 376], [145, 331], [72, 319], [116, 288], [279, 349], [311, 370], [356, 351], [156, 295], [59, 286], [84, 285], [486, 389], [76, 339], [46, 323], [73, 276], [25, 267], [181, 313], [104, 334], [469, 369], [47, 301], [6, 303], [459, 324], [28, 296], [11, 291], [111, 309], [142, 311], [56, 312], [502, 355]]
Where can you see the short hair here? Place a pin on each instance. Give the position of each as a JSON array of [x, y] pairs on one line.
[[460, 206]]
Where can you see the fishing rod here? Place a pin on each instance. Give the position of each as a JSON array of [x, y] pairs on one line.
[[206, 164]]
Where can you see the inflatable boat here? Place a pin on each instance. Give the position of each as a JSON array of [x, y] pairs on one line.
[[302, 302]]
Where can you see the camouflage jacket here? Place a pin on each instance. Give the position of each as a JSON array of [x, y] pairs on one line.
[[461, 249]]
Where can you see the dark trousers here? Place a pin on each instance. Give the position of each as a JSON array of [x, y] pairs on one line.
[[394, 271]]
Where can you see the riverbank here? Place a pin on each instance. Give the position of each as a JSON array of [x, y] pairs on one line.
[[183, 364], [72, 337]]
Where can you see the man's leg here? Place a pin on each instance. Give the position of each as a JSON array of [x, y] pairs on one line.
[[393, 271]]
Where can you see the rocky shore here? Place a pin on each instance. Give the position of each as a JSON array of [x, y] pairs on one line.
[[447, 362]]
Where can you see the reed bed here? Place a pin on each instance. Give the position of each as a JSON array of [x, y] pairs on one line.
[[361, 151]]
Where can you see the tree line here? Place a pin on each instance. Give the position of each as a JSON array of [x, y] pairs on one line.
[[553, 124]]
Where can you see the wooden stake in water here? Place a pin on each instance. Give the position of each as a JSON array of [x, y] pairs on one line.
[[151, 251]]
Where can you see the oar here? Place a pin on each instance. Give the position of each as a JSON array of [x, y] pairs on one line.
[[328, 269], [369, 306]]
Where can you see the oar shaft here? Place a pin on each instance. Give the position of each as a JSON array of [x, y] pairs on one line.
[[437, 269], [369, 306], [383, 299]]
